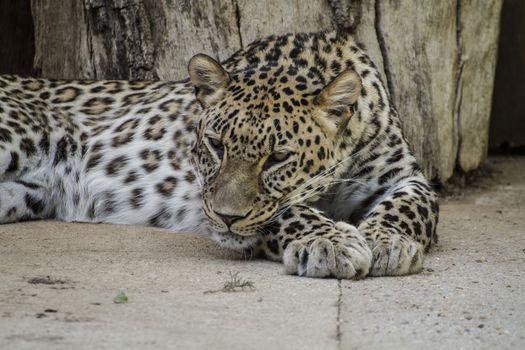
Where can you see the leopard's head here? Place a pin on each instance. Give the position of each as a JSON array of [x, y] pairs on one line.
[[267, 139]]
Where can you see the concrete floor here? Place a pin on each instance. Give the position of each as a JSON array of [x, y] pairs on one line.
[[58, 281]]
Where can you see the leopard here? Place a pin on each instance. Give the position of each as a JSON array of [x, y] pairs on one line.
[[291, 149]]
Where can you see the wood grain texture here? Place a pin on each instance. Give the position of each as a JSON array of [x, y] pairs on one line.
[[479, 23], [61, 37], [419, 58]]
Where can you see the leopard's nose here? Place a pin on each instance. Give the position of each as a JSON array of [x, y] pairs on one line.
[[228, 219]]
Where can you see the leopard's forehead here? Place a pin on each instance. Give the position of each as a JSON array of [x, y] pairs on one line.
[[262, 89], [265, 109]]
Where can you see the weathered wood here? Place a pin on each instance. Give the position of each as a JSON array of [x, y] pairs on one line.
[[191, 27], [260, 18], [61, 39], [419, 59], [436, 58], [120, 39], [478, 28]]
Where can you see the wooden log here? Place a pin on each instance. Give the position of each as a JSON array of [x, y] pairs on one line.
[[478, 29], [436, 58], [419, 59], [61, 39]]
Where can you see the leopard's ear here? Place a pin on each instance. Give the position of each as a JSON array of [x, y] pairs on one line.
[[209, 78], [336, 99]]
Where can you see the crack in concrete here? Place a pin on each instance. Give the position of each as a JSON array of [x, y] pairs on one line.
[[339, 320], [382, 48]]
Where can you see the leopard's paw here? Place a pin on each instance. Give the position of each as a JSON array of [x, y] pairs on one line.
[[341, 253], [396, 255]]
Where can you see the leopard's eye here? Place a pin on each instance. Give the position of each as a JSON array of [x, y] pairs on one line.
[[217, 146], [276, 158]]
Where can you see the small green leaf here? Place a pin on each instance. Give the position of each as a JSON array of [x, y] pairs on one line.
[[121, 298]]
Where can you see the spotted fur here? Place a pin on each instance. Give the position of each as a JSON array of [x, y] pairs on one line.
[[291, 148]]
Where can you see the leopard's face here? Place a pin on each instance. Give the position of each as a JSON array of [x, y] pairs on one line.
[[253, 163], [263, 144]]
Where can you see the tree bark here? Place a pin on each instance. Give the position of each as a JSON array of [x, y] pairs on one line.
[[437, 58]]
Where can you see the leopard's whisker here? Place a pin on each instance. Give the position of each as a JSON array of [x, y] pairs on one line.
[[321, 175]]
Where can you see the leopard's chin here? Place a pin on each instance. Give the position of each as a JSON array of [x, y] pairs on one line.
[[237, 242]]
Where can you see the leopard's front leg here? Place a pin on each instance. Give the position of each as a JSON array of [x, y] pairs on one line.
[[401, 227], [311, 245]]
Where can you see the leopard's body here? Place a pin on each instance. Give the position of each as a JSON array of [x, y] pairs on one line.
[[108, 151], [292, 149]]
